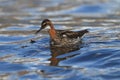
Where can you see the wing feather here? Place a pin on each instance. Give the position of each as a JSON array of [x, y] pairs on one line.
[[72, 34]]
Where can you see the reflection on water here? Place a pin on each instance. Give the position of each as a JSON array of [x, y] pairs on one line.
[[57, 51], [97, 59]]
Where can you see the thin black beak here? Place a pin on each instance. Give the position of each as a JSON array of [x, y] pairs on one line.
[[38, 31]]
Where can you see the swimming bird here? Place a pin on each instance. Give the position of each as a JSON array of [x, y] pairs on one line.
[[62, 38]]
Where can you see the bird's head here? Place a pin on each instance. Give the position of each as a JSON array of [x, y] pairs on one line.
[[46, 23]]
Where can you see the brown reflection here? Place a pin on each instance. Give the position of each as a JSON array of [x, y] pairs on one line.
[[56, 51]]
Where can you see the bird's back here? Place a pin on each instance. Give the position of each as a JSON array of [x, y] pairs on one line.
[[71, 34], [68, 38]]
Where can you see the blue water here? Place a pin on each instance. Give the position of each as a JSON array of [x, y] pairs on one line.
[[98, 57]]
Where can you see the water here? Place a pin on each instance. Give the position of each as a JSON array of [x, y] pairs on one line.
[[97, 59]]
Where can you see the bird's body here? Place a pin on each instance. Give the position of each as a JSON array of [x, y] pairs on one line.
[[67, 38], [62, 38]]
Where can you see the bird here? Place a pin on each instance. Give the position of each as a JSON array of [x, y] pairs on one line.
[[62, 38]]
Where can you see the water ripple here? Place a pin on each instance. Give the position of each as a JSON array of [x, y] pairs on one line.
[[24, 55]]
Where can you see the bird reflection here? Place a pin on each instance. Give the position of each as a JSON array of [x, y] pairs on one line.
[[57, 51]]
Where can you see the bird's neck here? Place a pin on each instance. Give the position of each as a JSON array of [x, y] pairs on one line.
[[52, 32]]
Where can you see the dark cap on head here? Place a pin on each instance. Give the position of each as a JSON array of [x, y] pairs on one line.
[[45, 20]]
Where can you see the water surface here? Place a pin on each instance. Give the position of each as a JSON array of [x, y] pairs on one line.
[[97, 59]]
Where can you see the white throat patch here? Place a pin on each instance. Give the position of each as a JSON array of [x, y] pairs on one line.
[[47, 27]]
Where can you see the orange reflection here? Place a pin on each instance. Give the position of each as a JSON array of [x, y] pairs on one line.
[[57, 51]]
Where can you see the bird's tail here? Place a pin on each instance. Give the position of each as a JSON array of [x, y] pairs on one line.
[[82, 32]]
